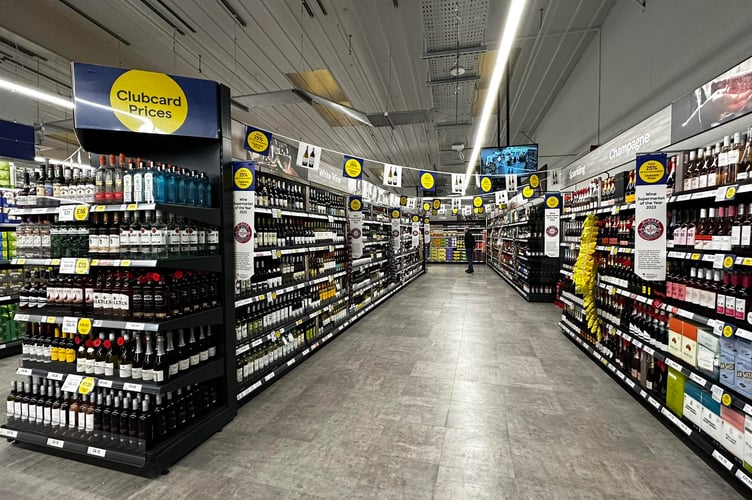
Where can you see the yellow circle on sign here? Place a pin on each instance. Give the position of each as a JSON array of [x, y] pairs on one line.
[[527, 192], [552, 202], [426, 180], [726, 399], [355, 204], [148, 102], [395, 214], [81, 213], [485, 184], [87, 385], [84, 326], [534, 181], [475, 210], [403, 200], [257, 141], [730, 192], [651, 171], [426, 221], [477, 201], [416, 218], [728, 331], [353, 168], [728, 262], [243, 178], [481, 210], [426, 206], [454, 211], [436, 204]]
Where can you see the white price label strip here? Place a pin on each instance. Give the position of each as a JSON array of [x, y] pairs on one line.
[[104, 383], [97, 452], [23, 371], [291, 362], [741, 476], [8, 433], [723, 460], [269, 377], [55, 376], [56, 443], [697, 379], [132, 387]]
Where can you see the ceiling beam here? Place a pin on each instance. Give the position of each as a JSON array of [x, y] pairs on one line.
[[474, 49], [453, 80]]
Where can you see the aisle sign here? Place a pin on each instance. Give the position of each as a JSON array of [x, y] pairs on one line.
[[243, 206], [477, 202], [119, 99], [486, 184], [511, 182], [257, 140], [456, 203], [436, 204], [426, 229], [650, 217], [411, 202], [355, 217], [551, 218], [426, 206], [501, 197], [396, 234], [352, 167], [427, 181], [415, 231]]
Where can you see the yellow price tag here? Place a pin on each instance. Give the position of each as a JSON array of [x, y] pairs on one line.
[[55, 262], [125, 263], [695, 256], [84, 326], [277, 334], [728, 331], [274, 295], [262, 297], [726, 399], [21, 262], [131, 206], [81, 213], [82, 266], [279, 253], [87, 385], [95, 262], [51, 319], [747, 261], [98, 208]]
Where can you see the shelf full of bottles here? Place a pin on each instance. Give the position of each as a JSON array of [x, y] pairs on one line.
[[122, 303], [685, 341], [516, 254], [305, 285], [448, 244]]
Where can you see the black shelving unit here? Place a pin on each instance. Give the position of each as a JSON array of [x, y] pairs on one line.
[[212, 156]]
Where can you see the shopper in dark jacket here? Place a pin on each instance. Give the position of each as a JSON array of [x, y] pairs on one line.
[[469, 247]]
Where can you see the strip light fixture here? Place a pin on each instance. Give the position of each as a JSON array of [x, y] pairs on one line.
[[35, 94], [512, 23]]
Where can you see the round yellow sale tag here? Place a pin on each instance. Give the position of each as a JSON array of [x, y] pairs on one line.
[[726, 399], [436, 204], [81, 213], [257, 141], [353, 168], [534, 181], [87, 385], [426, 206], [395, 214], [477, 201], [728, 331], [485, 184], [84, 326], [427, 181]]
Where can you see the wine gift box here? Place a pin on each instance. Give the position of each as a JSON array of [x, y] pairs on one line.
[[732, 431], [711, 417], [727, 366], [675, 391], [743, 367], [692, 403]]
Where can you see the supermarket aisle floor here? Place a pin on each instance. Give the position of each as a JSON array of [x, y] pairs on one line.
[[455, 388]]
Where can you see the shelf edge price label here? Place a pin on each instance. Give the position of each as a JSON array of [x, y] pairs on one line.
[[97, 452], [728, 261], [726, 399], [65, 214], [8, 433], [23, 371], [132, 387], [55, 443], [87, 385], [81, 213], [69, 324], [726, 193]]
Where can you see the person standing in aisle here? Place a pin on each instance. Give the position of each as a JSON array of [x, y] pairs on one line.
[[469, 247]]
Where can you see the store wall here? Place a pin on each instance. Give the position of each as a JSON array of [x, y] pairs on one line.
[[649, 59]]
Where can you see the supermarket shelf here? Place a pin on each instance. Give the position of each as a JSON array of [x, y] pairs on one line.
[[10, 348], [211, 316], [708, 193], [303, 249], [614, 248], [202, 214], [9, 226], [374, 243], [267, 379], [525, 295], [613, 209], [209, 263], [274, 293], [713, 257], [727, 462], [206, 371]]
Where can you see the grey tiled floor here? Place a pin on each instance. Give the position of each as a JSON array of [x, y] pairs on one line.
[[455, 388]]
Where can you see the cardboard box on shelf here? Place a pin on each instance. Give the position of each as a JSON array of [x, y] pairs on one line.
[[743, 367], [727, 366], [689, 344], [675, 392], [711, 417], [732, 431], [693, 403]]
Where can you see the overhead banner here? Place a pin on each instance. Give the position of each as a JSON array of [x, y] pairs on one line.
[[551, 217], [392, 175], [396, 234], [352, 167], [257, 140], [243, 206], [457, 183], [426, 229], [355, 217], [427, 181], [486, 184], [501, 197], [511, 181], [467, 210], [131, 100], [309, 156], [415, 231], [650, 217], [477, 202], [411, 202]]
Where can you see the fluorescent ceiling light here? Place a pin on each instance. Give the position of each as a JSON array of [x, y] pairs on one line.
[[35, 94], [509, 32]]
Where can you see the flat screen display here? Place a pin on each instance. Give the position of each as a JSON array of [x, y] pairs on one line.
[[518, 160]]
